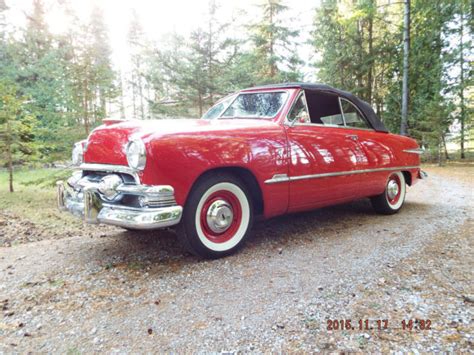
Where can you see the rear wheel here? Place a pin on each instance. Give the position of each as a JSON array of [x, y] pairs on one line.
[[217, 217], [391, 200]]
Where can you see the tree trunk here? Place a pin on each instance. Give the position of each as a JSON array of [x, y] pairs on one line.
[[406, 49], [9, 156], [210, 59], [86, 114], [446, 155], [371, 57], [440, 156], [200, 104], [122, 102], [361, 55], [134, 97], [103, 105], [140, 91], [461, 93], [86, 104], [273, 68]]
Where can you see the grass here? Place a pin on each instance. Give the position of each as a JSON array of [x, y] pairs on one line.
[[34, 197]]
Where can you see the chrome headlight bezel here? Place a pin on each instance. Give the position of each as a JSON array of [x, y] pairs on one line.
[[77, 156], [136, 154]]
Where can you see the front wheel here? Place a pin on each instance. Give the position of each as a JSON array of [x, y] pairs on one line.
[[391, 200], [217, 217]]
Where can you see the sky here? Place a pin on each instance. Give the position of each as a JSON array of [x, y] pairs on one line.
[[159, 17]]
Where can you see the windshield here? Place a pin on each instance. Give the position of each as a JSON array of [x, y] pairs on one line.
[[248, 105], [256, 105]]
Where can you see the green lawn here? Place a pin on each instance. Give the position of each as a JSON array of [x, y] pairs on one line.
[[35, 197]]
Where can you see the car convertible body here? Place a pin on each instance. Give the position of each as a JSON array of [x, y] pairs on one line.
[[263, 151]]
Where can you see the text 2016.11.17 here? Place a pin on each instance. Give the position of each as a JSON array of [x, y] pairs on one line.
[[378, 324]]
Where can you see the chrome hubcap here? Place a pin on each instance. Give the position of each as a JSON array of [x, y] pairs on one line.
[[392, 189], [219, 216]]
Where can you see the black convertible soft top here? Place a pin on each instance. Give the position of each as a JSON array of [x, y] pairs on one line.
[[363, 106]]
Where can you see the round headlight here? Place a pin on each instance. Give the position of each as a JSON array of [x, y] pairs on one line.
[[77, 154], [136, 154]]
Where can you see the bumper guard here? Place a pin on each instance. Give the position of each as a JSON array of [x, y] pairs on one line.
[[85, 202]]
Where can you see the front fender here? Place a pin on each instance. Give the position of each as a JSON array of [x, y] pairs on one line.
[[179, 159]]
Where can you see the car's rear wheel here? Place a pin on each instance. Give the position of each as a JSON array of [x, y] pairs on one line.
[[391, 200], [217, 216]]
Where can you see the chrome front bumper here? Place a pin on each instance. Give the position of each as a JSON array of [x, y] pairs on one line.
[[83, 199]]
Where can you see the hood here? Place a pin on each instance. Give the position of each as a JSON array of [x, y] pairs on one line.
[[106, 144]]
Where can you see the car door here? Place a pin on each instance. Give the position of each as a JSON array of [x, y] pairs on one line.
[[376, 153], [322, 154]]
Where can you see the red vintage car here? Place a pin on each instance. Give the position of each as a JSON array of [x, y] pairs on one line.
[[263, 151]]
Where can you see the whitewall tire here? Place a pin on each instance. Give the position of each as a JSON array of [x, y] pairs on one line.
[[392, 199], [217, 216]]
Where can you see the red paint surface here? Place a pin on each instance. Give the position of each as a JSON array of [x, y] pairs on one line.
[[180, 151]]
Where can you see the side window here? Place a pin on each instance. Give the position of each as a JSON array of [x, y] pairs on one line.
[[299, 111], [327, 110], [352, 115], [333, 120], [216, 110]]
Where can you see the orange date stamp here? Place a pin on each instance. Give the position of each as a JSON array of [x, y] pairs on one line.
[[377, 324]]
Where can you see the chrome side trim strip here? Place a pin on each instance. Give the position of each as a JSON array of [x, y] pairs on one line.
[[108, 168], [283, 178], [278, 178], [414, 151]]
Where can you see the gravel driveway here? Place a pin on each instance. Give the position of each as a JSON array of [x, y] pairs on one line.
[[125, 292]]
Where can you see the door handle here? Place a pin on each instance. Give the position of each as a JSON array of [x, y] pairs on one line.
[[354, 137]]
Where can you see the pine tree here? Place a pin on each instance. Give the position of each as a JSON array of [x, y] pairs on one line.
[[16, 127], [194, 71], [272, 41], [137, 44], [465, 78], [349, 45], [3, 25], [167, 70], [429, 116], [4, 62], [86, 52], [39, 72], [103, 74], [361, 51]]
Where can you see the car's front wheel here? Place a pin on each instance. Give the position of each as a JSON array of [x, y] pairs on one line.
[[217, 217], [391, 200]]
